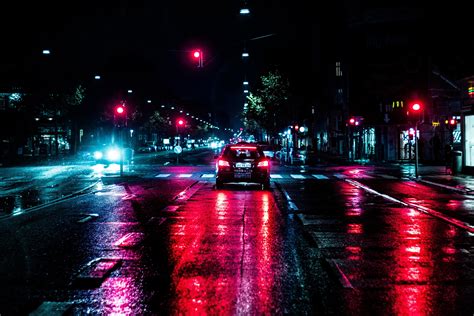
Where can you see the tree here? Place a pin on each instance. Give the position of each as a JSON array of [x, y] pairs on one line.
[[267, 108]]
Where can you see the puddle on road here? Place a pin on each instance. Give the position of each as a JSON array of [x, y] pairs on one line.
[[13, 204]]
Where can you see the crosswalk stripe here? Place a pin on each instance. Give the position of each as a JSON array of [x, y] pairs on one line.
[[208, 175], [163, 175], [275, 176], [386, 176], [297, 176], [340, 176], [185, 175], [320, 176]]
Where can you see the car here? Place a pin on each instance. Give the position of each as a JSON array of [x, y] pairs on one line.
[[109, 154], [242, 162]]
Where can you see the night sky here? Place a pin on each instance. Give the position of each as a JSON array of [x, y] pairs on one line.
[[144, 45]]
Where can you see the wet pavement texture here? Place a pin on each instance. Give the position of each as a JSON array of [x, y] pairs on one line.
[[386, 258], [168, 246]]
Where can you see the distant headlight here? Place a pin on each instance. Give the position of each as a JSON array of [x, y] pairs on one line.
[[113, 154], [98, 155]]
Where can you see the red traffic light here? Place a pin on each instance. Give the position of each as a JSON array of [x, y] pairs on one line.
[[180, 122], [452, 122], [352, 121], [196, 54], [416, 107], [120, 109]]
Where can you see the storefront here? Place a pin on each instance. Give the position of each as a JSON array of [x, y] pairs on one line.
[[469, 140]]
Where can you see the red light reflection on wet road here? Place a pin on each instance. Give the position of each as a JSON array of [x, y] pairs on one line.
[[406, 258], [225, 248]]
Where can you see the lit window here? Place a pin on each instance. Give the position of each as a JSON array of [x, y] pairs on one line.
[[338, 69]]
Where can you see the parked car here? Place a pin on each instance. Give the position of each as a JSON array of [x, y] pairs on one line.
[[242, 162]]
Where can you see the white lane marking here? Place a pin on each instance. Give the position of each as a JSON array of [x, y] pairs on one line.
[[275, 176], [162, 175], [208, 175], [386, 176], [130, 240], [297, 176], [419, 208], [442, 185], [88, 218], [166, 163], [185, 175], [291, 205], [342, 277], [320, 176], [340, 176]]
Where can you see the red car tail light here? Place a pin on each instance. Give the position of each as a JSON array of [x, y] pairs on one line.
[[223, 163], [263, 163]]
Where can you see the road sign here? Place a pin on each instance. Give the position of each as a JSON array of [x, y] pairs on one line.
[[178, 149]]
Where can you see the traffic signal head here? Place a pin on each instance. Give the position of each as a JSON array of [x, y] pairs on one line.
[[180, 122], [197, 56], [120, 110], [120, 115], [355, 120], [452, 122], [416, 107]]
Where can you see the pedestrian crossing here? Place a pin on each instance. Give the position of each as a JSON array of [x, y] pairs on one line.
[[289, 176]]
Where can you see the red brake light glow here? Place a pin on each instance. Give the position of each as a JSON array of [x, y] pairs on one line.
[[223, 163], [243, 147], [263, 163]]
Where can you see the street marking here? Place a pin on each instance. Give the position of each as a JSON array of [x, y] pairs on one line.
[[275, 176], [52, 308], [166, 163], [185, 175], [95, 272], [297, 176], [208, 175], [88, 218], [162, 175], [291, 205], [129, 240], [386, 176], [442, 186], [420, 208], [341, 276], [188, 192], [340, 176], [171, 208], [320, 176]]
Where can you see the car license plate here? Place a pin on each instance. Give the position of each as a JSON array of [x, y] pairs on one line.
[[243, 165], [243, 175]]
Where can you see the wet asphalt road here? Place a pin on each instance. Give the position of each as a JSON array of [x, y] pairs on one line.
[[326, 240]]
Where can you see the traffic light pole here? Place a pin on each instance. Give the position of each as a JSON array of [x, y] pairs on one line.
[[121, 151], [416, 150]]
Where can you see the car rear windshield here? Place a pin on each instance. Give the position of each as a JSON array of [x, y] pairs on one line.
[[243, 153]]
